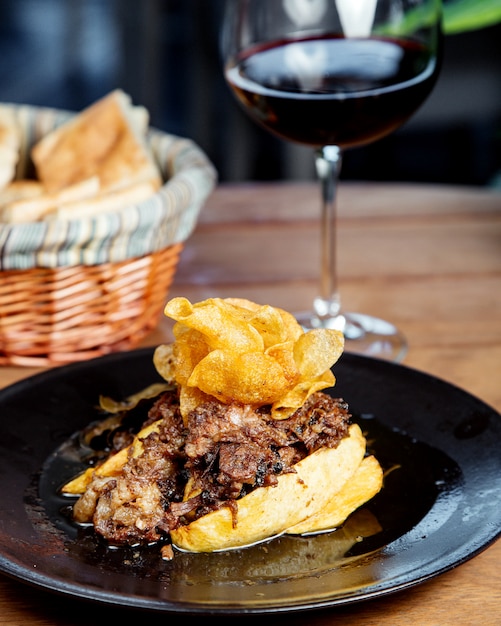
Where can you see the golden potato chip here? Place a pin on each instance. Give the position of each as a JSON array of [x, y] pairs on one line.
[[283, 354], [220, 324], [190, 348], [238, 351], [363, 485], [292, 328], [251, 378], [270, 325], [164, 362], [316, 351], [296, 397], [243, 303], [79, 484], [113, 406]]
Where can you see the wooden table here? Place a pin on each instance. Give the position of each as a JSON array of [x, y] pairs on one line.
[[427, 258]]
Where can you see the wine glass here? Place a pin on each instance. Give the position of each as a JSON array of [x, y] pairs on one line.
[[333, 74]]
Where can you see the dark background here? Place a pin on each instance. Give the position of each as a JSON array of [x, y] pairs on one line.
[[164, 53]]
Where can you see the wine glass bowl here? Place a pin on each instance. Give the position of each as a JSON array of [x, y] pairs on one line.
[[334, 75]]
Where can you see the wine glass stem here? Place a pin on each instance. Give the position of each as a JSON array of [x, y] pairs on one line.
[[328, 165]]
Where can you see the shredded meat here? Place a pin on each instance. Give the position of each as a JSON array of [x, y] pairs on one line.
[[223, 453]]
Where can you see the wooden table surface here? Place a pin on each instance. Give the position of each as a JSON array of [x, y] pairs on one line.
[[428, 259]]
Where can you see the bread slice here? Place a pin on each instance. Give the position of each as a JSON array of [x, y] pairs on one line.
[[20, 190], [34, 203], [106, 140], [104, 202], [10, 143]]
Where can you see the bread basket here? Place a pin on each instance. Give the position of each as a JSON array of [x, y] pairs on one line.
[[71, 290]]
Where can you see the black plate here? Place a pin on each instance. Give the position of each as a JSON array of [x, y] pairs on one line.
[[439, 506]]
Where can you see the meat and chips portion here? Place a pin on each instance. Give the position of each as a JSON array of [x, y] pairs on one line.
[[240, 444]]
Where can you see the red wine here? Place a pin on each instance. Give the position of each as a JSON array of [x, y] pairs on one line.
[[333, 91]]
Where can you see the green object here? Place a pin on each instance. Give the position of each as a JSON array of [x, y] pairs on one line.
[[465, 15]]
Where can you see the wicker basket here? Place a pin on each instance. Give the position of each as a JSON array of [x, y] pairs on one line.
[[76, 289]]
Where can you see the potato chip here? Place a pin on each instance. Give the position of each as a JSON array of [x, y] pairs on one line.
[[363, 485], [221, 325], [283, 354], [293, 328], [113, 406], [238, 351], [164, 362], [296, 397], [316, 351], [189, 349], [251, 378]]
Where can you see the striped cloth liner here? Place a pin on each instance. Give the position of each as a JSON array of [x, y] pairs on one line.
[[167, 218]]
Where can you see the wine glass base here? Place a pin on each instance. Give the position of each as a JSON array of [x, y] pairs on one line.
[[363, 334]]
